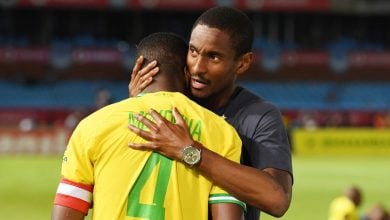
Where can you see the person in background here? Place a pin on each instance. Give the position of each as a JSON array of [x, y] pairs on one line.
[[345, 206], [98, 167], [377, 212], [219, 52]]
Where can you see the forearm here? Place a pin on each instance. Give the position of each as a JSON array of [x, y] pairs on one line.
[[268, 190], [255, 187]]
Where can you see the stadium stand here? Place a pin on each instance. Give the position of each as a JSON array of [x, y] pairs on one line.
[[58, 55]]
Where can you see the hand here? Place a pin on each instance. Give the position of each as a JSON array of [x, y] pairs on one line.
[[163, 136], [141, 78]]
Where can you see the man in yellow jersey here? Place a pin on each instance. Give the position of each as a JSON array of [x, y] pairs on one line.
[[98, 167], [345, 207]]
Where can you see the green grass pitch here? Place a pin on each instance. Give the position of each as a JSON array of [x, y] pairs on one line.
[[28, 184], [319, 179]]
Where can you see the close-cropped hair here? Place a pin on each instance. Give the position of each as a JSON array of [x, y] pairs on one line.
[[233, 22], [168, 49]]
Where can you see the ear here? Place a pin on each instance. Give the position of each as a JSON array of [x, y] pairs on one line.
[[245, 61]]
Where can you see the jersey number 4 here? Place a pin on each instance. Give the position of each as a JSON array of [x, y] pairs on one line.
[[155, 210]]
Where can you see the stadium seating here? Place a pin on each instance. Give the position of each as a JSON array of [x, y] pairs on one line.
[[286, 95], [66, 94], [324, 95]]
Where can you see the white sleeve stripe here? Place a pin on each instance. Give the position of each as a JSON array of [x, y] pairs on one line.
[[229, 198], [74, 191]]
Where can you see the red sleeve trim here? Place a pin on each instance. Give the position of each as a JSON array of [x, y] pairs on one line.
[[71, 202]]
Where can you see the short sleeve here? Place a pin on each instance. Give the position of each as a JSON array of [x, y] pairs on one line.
[[76, 186], [268, 146], [77, 161], [218, 195]]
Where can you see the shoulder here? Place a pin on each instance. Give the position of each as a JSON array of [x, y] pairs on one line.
[[343, 202], [246, 103], [253, 116], [257, 101], [211, 120], [101, 117], [98, 114]]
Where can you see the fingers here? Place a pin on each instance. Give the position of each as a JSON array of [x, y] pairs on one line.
[[178, 117], [141, 146], [148, 71], [157, 117], [135, 76], [148, 123], [144, 134], [137, 67], [144, 84], [142, 77], [133, 89], [146, 76]]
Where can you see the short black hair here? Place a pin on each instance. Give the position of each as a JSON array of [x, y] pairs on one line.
[[168, 49], [232, 21]]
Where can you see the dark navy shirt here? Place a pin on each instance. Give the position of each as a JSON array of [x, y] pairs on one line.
[[263, 135]]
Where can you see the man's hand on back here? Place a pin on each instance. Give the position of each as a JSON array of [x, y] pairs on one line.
[[163, 136]]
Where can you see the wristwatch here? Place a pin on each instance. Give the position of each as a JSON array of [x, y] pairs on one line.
[[191, 155]]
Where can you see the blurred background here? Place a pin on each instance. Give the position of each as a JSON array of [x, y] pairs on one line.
[[324, 63]]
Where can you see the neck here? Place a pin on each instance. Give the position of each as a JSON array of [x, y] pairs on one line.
[[161, 84], [151, 89]]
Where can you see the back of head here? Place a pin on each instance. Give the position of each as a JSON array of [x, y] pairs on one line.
[[169, 50], [233, 22], [354, 194]]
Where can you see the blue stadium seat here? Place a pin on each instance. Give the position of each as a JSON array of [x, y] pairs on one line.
[[285, 95]]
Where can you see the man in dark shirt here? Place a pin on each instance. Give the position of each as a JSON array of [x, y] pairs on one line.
[[219, 51]]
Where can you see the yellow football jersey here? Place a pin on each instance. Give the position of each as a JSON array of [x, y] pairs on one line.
[[342, 208], [122, 183]]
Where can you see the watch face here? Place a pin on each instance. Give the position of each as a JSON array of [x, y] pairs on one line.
[[191, 155]]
